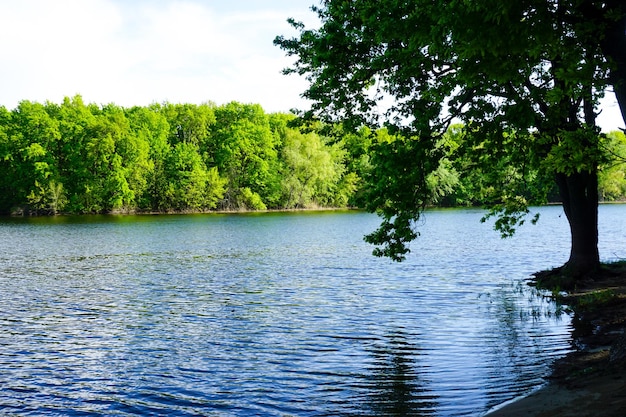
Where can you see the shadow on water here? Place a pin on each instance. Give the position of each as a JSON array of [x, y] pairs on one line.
[[531, 336], [398, 389]]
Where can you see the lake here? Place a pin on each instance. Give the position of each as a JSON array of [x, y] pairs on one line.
[[276, 314]]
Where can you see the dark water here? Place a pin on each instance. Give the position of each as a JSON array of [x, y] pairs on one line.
[[273, 314]]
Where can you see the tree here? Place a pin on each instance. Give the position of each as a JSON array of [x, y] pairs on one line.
[[190, 185], [357, 146], [130, 162], [95, 175], [189, 123], [311, 170], [87, 158], [34, 177], [243, 148], [77, 151], [612, 178], [150, 126], [6, 155], [523, 77]]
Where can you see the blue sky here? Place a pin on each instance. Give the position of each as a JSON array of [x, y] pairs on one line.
[[137, 52]]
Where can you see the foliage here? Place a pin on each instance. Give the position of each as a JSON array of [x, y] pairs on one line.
[[82, 158], [190, 185], [311, 169], [398, 189], [595, 299], [76, 158], [32, 138], [612, 176], [243, 149]]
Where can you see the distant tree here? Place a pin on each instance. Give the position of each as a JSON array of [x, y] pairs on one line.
[[33, 175], [86, 158], [6, 155], [75, 167], [190, 185], [311, 170], [130, 164], [357, 145], [150, 126], [612, 177], [243, 148], [189, 123]]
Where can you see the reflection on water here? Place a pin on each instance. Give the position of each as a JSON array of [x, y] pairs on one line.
[[277, 314], [399, 389]]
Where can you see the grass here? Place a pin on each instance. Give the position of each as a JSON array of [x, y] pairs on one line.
[[595, 299]]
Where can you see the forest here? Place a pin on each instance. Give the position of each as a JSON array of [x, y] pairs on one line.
[[79, 158]]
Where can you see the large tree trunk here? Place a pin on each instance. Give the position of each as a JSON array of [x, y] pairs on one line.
[[579, 192]]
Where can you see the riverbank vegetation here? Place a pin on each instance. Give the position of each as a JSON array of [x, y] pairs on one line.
[[75, 157]]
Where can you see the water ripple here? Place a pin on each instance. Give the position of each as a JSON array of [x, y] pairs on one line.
[[271, 315]]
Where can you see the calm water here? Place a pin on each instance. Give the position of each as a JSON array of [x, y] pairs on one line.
[[274, 314]]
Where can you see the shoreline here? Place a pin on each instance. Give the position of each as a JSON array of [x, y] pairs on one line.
[[179, 212], [600, 395], [591, 380], [496, 409]]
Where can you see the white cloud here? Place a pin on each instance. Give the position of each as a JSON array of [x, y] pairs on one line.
[[135, 53], [50, 45]]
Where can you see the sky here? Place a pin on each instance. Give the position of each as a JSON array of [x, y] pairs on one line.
[[139, 52]]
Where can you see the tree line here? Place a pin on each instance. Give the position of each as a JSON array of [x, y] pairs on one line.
[[77, 158], [85, 158], [459, 180]]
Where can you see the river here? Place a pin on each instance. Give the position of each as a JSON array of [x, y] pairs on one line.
[[277, 314]]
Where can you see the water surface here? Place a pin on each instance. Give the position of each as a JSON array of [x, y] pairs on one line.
[[273, 314]]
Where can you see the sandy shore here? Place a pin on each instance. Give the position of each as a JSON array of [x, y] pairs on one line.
[[591, 381], [601, 396]]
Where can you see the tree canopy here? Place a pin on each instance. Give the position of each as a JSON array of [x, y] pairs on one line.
[[75, 157], [524, 78]]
